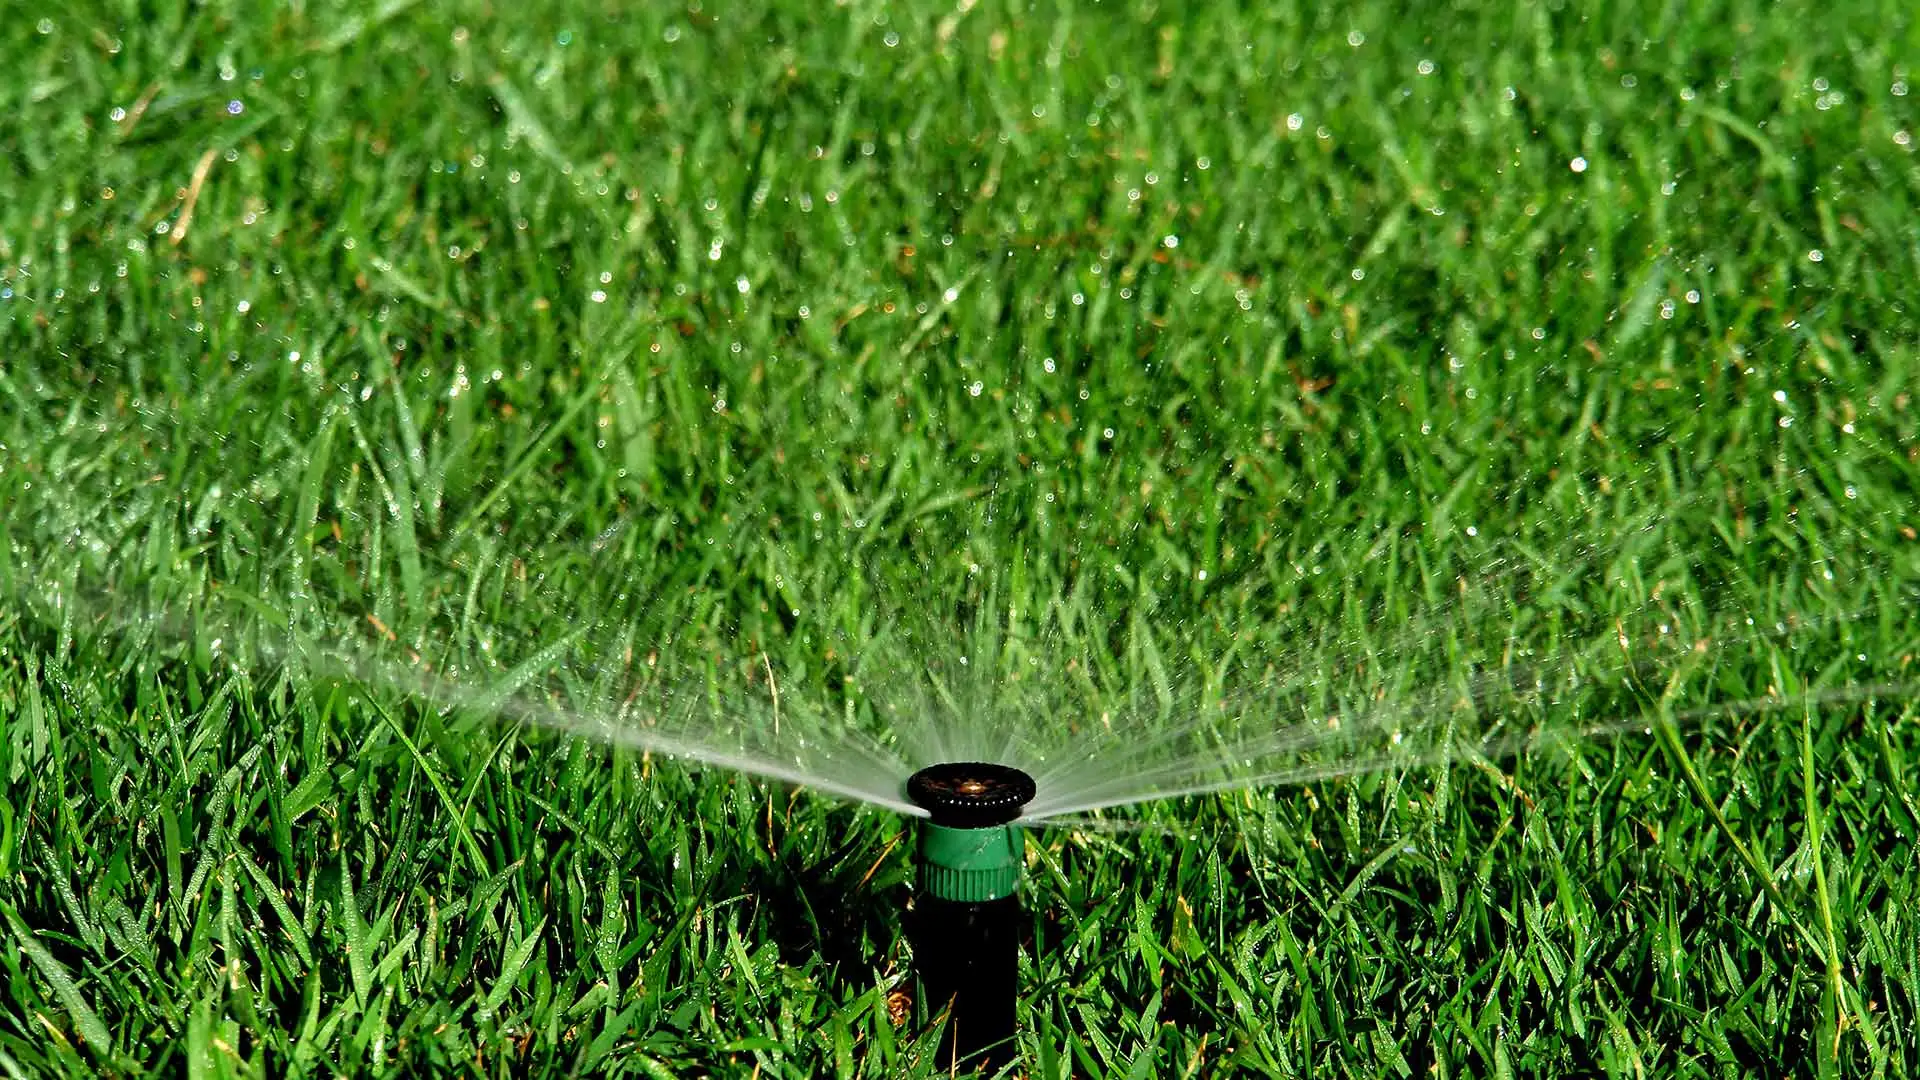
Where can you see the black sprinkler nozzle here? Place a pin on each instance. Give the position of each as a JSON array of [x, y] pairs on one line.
[[970, 794]]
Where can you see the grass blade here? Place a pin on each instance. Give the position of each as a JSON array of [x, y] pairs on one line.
[[510, 970], [85, 1020]]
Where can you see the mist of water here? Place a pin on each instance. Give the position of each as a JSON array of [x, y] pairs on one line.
[[1109, 684], [1102, 709]]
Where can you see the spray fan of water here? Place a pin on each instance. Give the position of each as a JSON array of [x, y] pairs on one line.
[[1105, 694], [1099, 666]]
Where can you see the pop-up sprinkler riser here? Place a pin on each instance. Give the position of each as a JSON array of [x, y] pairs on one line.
[[967, 910]]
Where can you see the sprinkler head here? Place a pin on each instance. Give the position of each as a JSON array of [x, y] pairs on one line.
[[971, 794], [971, 852], [968, 954]]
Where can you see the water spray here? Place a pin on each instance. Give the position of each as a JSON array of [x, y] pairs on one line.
[[967, 913]]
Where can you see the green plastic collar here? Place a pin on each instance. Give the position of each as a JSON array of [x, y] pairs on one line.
[[970, 866]]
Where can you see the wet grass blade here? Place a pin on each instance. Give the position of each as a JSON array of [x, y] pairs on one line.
[[85, 1021]]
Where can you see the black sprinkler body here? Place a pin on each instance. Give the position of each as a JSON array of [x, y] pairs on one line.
[[967, 915]]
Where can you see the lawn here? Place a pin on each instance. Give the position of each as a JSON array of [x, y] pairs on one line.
[[401, 402]]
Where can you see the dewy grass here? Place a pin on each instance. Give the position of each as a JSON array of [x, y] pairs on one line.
[[1535, 387]]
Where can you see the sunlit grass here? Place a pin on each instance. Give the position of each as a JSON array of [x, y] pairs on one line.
[[1314, 353]]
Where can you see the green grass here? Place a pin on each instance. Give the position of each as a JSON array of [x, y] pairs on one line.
[[754, 328]]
